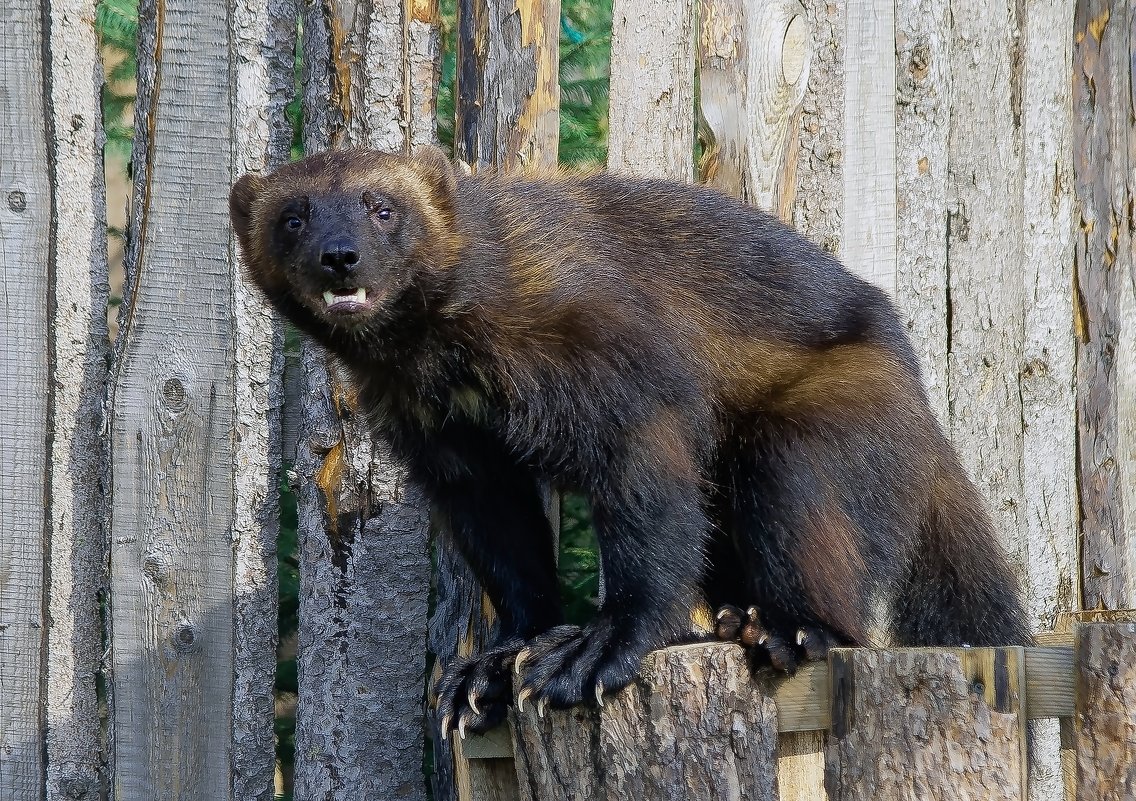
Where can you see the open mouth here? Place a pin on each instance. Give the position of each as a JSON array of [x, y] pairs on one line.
[[347, 301]]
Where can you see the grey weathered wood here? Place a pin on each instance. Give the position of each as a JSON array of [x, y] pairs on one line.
[[753, 69], [25, 229], [364, 574], [927, 724], [692, 725], [263, 46], [53, 246], [818, 206], [651, 118], [78, 350], [172, 418], [1104, 145], [507, 117], [194, 410], [1105, 722], [922, 123]]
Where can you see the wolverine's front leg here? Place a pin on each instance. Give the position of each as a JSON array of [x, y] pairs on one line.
[[496, 518], [651, 529]]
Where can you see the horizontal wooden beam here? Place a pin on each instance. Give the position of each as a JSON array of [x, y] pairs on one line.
[[803, 700]]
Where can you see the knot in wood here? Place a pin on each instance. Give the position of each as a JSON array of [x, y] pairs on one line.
[[173, 394], [17, 200], [185, 637]]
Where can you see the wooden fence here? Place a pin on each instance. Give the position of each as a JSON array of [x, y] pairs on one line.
[[970, 157]]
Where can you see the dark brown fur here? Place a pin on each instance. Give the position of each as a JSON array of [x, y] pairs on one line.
[[745, 415]]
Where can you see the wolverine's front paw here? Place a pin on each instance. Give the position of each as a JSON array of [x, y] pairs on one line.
[[568, 665], [473, 693], [768, 647]]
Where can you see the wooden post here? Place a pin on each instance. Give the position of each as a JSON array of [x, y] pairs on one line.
[[370, 78], [651, 116], [53, 243], [507, 117], [948, 724], [692, 725], [192, 642], [1105, 302], [1105, 720]]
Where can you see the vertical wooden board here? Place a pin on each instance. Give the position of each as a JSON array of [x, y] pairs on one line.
[[78, 351], [984, 240], [651, 109], [753, 69], [508, 105], [1046, 377], [818, 205], [943, 724], [25, 225], [263, 48], [172, 422], [363, 532], [1103, 141], [922, 123], [1105, 720], [869, 231], [692, 725]]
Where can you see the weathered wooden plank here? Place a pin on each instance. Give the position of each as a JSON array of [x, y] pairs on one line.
[[172, 422], [1103, 149], [922, 125], [868, 240], [939, 724], [507, 117], [78, 351], [364, 576], [1106, 710], [263, 47], [753, 68], [692, 725], [26, 217], [818, 205], [651, 118]]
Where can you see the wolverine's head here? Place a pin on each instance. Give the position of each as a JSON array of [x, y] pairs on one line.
[[343, 235]]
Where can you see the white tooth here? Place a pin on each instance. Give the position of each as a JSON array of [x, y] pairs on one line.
[[360, 295], [329, 298]]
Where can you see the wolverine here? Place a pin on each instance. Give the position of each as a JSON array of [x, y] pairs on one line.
[[745, 416]]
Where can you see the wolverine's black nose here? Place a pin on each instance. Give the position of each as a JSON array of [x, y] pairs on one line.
[[339, 256]]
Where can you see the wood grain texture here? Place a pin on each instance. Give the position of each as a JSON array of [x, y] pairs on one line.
[[922, 125], [868, 240], [172, 424], [753, 69], [1104, 143], [651, 108], [508, 108], [936, 724], [78, 349], [25, 232], [818, 205], [263, 43], [1105, 720], [692, 725], [363, 531]]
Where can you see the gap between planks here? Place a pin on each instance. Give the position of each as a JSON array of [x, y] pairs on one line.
[[803, 699]]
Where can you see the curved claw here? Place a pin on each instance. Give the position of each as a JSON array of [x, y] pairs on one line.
[[722, 613], [599, 693], [522, 655], [541, 705], [461, 726], [446, 726], [471, 699], [801, 636], [521, 696]]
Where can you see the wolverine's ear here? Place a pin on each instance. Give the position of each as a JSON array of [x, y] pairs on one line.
[[241, 199], [434, 166]]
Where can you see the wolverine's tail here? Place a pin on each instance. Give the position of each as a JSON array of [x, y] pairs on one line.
[[959, 588]]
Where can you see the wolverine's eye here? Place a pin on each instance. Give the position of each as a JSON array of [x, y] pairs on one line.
[[293, 223], [384, 214]]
